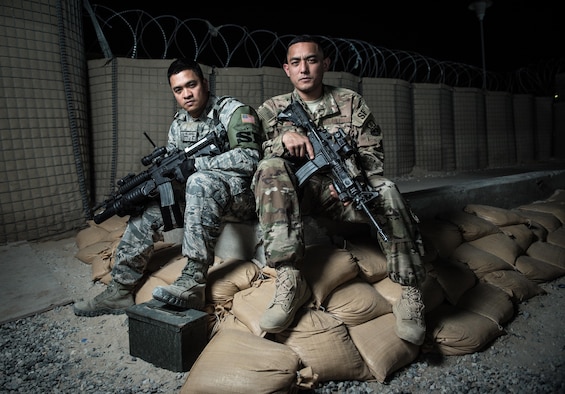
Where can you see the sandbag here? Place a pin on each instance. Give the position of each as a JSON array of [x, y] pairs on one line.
[[498, 216], [322, 342], [250, 304], [453, 331], [235, 361], [521, 234], [538, 271], [557, 237], [325, 268], [471, 227], [90, 236], [516, 285], [555, 208], [370, 258], [172, 270], [381, 349], [432, 293], [489, 301], [390, 290], [229, 277], [544, 219], [500, 245], [547, 252], [356, 302], [145, 292], [479, 261], [454, 277]]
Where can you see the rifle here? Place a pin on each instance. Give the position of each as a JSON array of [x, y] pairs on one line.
[[331, 151], [135, 190]]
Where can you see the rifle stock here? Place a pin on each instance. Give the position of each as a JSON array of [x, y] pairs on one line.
[[330, 153]]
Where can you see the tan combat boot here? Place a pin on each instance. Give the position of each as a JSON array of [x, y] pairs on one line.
[[291, 293], [112, 301], [188, 291], [409, 312]]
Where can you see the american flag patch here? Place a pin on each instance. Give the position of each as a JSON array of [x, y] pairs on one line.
[[246, 118]]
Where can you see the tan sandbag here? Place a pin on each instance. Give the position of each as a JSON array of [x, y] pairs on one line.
[[555, 208], [521, 234], [479, 261], [516, 285], [538, 271], [432, 293], [471, 227], [114, 223], [548, 253], [442, 235], [369, 257], [100, 267], [227, 321], [356, 302], [145, 292], [544, 219], [325, 267], [454, 277], [90, 236], [558, 195], [381, 349], [229, 277], [235, 361], [88, 253], [498, 216], [249, 304], [489, 301], [322, 342], [172, 270], [501, 246], [453, 331], [390, 290], [557, 237]]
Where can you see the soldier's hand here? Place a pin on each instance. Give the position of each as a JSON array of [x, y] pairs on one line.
[[335, 195], [298, 145]]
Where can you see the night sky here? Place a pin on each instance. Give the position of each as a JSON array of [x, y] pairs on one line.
[[517, 33]]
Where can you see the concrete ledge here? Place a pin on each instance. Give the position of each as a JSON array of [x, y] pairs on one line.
[[506, 192]]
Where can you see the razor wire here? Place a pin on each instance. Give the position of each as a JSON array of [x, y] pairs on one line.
[[137, 34]]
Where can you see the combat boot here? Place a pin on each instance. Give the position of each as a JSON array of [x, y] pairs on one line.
[[188, 291], [409, 313], [112, 301], [291, 293]]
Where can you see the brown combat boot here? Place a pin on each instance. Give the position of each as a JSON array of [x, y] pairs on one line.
[[291, 293], [409, 312], [112, 301]]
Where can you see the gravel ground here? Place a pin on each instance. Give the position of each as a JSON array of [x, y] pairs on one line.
[[57, 352]]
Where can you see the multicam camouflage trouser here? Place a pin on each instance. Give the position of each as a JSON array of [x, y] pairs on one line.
[[209, 204], [280, 206]]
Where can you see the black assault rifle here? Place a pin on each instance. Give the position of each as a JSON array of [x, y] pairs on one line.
[[331, 151], [134, 191]]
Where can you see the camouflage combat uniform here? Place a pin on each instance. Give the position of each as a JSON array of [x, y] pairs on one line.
[[281, 204], [217, 192]]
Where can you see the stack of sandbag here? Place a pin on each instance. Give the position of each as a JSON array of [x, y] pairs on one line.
[[480, 261]]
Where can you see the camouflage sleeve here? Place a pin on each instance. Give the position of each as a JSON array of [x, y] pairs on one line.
[[369, 140], [273, 130], [244, 129], [241, 161]]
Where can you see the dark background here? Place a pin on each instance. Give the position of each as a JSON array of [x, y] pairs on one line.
[[517, 33]]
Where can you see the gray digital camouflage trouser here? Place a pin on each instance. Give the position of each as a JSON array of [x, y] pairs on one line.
[[209, 205], [279, 207]]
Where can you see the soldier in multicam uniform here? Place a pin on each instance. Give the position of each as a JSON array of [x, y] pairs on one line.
[[281, 204], [218, 190]]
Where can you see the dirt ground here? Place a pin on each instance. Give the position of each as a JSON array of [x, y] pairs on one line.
[[534, 343]]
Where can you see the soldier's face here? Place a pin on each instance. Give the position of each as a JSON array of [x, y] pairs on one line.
[[190, 92], [305, 67]]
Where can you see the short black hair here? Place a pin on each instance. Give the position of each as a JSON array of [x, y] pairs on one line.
[[307, 38], [184, 64]]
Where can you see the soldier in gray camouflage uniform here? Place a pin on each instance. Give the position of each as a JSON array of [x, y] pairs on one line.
[[281, 204], [216, 190]]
